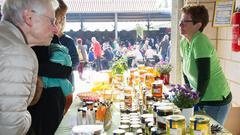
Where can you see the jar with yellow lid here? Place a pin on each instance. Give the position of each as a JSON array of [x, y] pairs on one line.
[[199, 124], [176, 125]]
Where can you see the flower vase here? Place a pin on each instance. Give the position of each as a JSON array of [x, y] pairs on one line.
[[187, 113], [165, 78]]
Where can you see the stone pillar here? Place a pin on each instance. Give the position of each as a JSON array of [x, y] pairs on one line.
[[176, 74]]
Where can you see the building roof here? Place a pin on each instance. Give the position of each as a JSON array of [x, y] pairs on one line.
[[117, 6], [127, 10]]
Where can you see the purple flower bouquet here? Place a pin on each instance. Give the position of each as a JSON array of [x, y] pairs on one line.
[[182, 96]]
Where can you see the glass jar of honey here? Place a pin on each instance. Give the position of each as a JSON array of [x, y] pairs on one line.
[[176, 125], [162, 113], [141, 67], [157, 88], [199, 124], [149, 79]]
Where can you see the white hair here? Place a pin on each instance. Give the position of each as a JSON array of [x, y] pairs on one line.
[[12, 9]]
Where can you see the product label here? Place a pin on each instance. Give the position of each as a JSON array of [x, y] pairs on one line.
[[161, 119], [176, 131], [156, 90], [200, 132]]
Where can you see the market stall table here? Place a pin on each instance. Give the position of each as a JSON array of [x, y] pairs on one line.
[[70, 120]]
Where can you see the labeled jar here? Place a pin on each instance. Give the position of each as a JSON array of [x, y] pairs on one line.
[[200, 124], [149, 79], [157, 89], [162, 113], [134, 128], [176, 125], [125, 122]]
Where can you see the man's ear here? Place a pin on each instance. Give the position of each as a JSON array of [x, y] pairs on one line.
[[27, 17]]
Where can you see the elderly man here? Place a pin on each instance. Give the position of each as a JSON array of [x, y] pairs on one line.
[[25, 23]]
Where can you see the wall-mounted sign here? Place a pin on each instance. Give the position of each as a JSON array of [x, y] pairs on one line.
[[223, 12]]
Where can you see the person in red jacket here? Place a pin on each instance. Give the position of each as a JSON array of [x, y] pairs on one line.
[[97, 51]]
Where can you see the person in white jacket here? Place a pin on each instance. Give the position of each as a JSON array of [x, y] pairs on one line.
[[24, 23]]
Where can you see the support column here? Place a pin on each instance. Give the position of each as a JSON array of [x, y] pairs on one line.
[[176, 74], [116, 25]]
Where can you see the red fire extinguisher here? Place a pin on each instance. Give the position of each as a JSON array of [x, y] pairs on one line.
[[236, 32]]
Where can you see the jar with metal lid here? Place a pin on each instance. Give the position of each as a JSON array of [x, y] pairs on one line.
[[149, 79], [149, 126], [162, 112], [135, 122], [200, 124], [124, 127], [148, 98], [176, 125], [90, 105], [147, 121], [139, 131], [134, 128], [144, 116], [153, 131], [157, 88], [118, 132]]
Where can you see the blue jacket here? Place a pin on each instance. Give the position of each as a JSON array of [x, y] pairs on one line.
[[59, 54], [68, 42]]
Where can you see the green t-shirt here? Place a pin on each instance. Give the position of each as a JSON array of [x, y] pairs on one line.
[[201, 47]]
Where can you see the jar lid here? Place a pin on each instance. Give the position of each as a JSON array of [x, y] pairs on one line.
[[125, 121], [153, 129], [158, 82], [123, 126], [129, 133], [200, 119], [150, 124], [118, 132], [165, 108], [175, 118], [148, 115], [136, 126], [149, 120], [89, 103]]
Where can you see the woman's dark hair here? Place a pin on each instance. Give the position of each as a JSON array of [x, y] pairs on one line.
[[199, 13]]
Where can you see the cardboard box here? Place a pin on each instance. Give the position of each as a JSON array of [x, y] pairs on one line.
[[233, 122]]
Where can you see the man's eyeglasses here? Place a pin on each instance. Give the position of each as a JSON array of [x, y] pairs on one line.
[[52, 20], [185, 21]]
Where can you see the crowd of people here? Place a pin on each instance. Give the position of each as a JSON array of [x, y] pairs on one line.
[[100, 56], [38, 59]]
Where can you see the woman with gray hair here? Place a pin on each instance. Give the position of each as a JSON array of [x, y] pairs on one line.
[[24, 23]]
